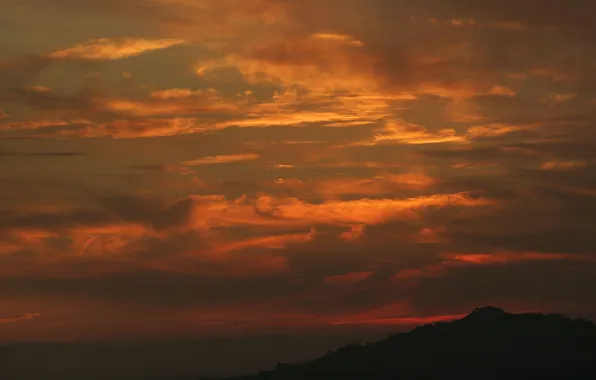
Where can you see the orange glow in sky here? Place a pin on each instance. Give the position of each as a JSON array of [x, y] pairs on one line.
[[182, 163]]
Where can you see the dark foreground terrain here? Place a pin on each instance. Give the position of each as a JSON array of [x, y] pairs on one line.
[[487, 344]]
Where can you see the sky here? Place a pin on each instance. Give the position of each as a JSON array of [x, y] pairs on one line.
[[226, 167]]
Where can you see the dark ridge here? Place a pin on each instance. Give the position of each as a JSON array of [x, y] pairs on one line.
[[489, 343]]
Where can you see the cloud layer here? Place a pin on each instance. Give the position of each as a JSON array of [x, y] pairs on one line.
[[206, 165]]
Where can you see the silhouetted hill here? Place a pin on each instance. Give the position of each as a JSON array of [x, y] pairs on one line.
[[487, 344]]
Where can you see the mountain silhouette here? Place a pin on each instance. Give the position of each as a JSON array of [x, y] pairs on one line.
[[489, 343]]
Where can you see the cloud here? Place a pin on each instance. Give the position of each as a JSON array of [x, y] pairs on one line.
[[470, 22], [395, 131], [269, 242], [339, 38], [24, 317], [199, 233], [353, 234], [376, 186], [38, 89], [221, 159], [400, 132], [407, 321], [362, 211], [497, 130], [562, 165], [348, 278], [174, 102], [509, 257], [430, 271], [106, 49], [451, 262], [142, 127], [7, 248], [288, 108], [117, 128]]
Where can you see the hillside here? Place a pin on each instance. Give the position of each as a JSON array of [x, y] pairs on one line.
[[489, 343]]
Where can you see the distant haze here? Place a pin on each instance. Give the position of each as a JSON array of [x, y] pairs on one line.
[[165, 360]]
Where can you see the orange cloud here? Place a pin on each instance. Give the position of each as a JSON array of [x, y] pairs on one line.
[[150, 127], [180, 93], [117, 245], [40, 124], [210, 213], [501, 90], [223, 159], [105, 49], [6, 248], [372, 186], [512, 257], [163, 113], [400, 132], [24, 317], [563, 165], [338, 38], [40, 89], [322, 60], [164, 103], [288, 108], [354, 233], [326, 78], [117, 129], [106, 240], [269, 242], [362, 211], [454, 260], [85, 240], [396, 313], [348, 278], [492, 130], [119, 248], [361, 164], [405, 321], [470, 22]]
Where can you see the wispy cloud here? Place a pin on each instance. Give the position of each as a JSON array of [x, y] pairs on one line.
[[562, 165], [106, 49], [221, 159], [23, 317]]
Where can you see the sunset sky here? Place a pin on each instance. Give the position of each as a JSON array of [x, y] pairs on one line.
[[203, 167]]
